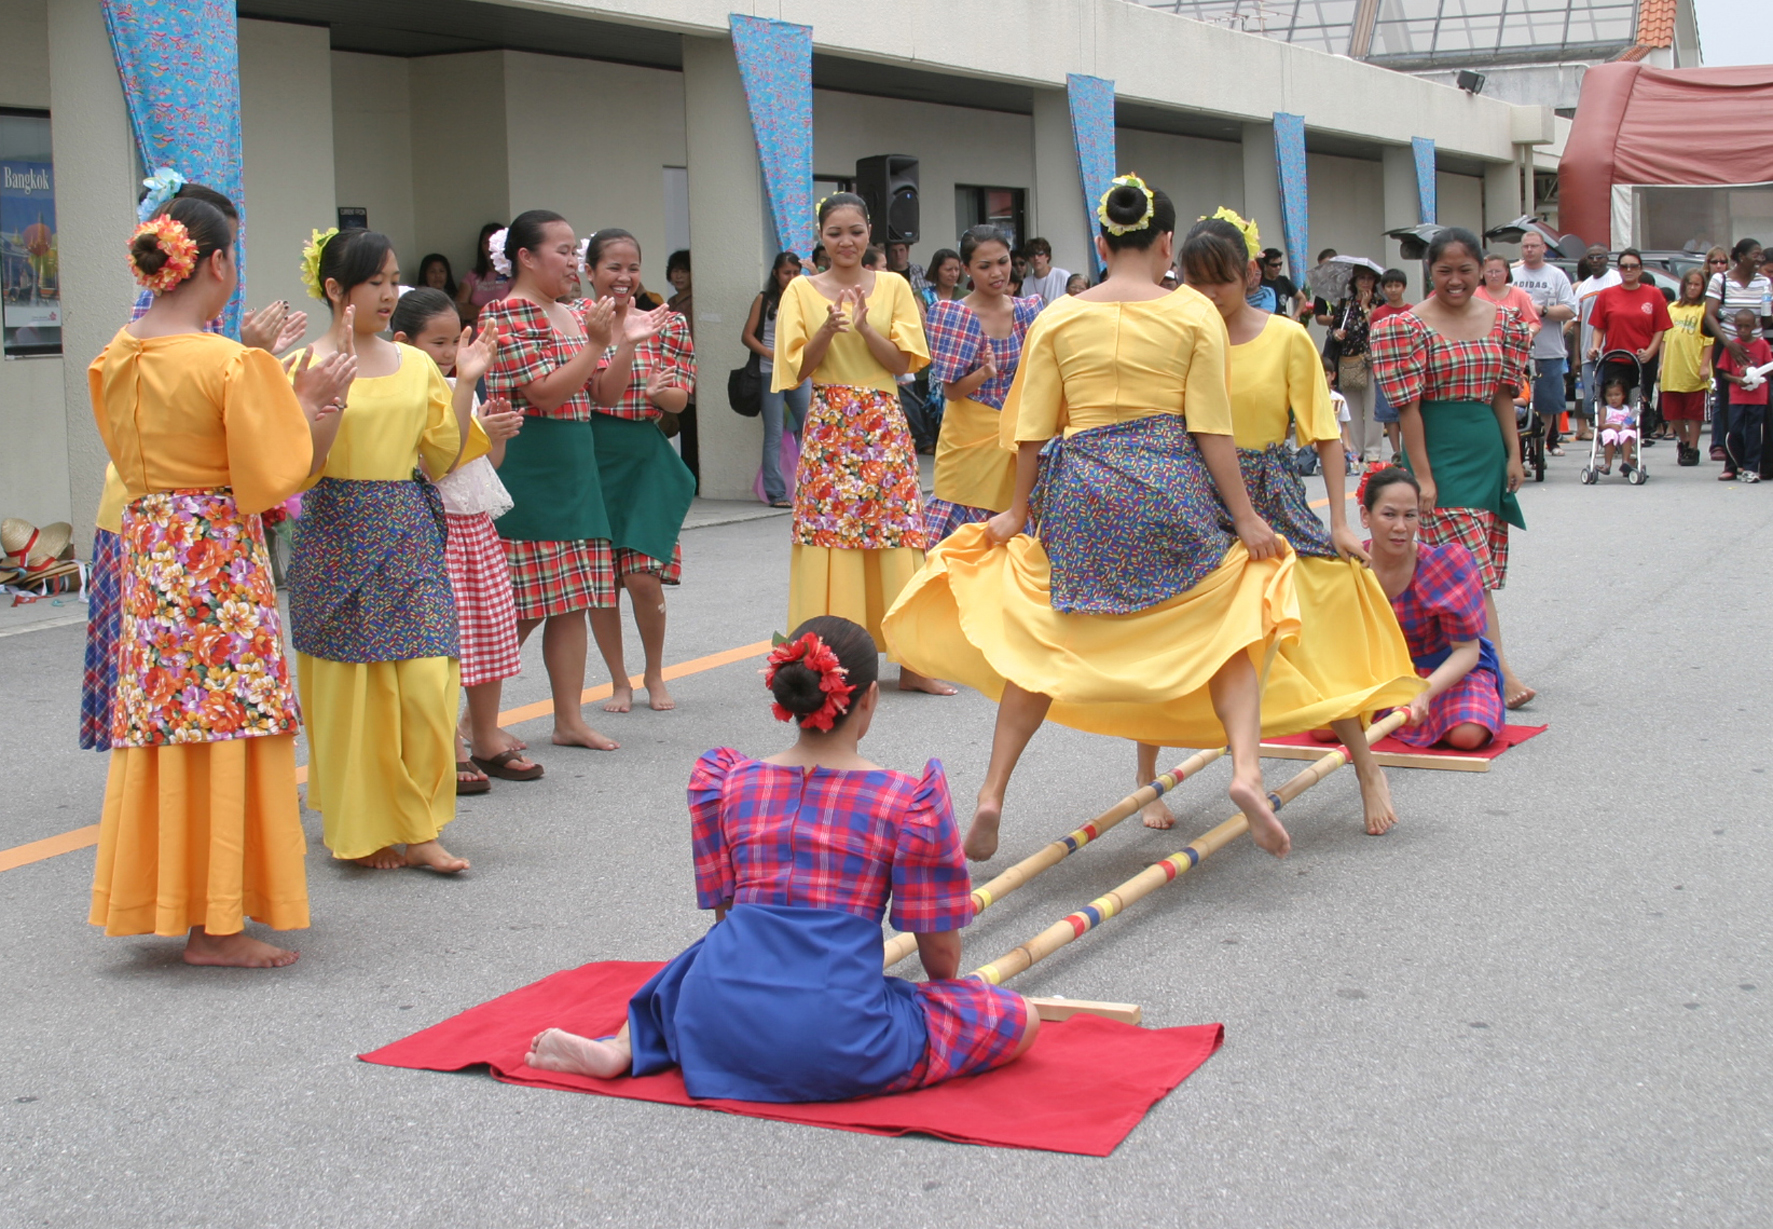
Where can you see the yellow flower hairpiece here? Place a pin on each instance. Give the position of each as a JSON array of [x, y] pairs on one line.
[[1118, 228], [820, 206], [311, 261], [1247, 228]]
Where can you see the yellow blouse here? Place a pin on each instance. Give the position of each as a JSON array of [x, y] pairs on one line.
[[1087, 364], [195, 411], [892, 310], [392, 422], [1279, 370]]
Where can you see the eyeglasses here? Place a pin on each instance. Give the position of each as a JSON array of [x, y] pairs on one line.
[[1625, 268]]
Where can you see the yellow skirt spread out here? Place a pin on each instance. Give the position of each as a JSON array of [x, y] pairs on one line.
[[858, 585], [381, 749], [981, 615], [201, 834], [972, 466]]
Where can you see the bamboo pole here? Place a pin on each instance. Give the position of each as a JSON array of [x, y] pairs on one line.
[[901, 946], [1153, 877]]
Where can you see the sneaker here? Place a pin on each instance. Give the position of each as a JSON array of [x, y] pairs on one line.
[[1749, 475]]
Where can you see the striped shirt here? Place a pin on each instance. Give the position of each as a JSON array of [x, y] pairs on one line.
[[1732, 296]]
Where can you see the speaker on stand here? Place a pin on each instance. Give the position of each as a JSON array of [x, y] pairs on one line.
[[888, 183]]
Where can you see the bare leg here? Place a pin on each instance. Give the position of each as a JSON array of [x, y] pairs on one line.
[[554, 1049], [647, 592], [432, 856], [235, 951], [1155, 813], [911, 680], [563, 651], [1237, 698], [606, 625], [1028, 1034], [1375, 791], [1515, 692], [1019, 715], [485, 736]]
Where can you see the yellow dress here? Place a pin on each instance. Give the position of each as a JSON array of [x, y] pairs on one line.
[[858, 530], [984, 614], [199, 833], [1350, 658], [381, 734]]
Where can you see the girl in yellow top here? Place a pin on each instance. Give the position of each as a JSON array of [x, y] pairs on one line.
[[858, 530], [201, 826], [1133, 611], [1686, 368], [373, 616], [1350, 657]]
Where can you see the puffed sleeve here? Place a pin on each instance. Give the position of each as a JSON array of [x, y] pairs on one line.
[[526, 349], [906, 332], [1034, 409], [478, 445], [932, 891], [792, 334], [1206, 393], [714, 867], [1457, 598], [680, 351], [1399, 351], [441, 442], [1517, 348], [955, 335], [270, 446], [1308, 391]]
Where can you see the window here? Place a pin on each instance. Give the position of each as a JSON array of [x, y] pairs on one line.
[[30, 274], [1004, 208]]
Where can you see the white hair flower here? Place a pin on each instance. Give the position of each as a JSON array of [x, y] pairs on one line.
[[495, 251]]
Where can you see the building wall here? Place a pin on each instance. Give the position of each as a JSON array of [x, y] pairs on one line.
[[1199, 175], [459, 178], [1347, 206], [1459, 201], [372, 153]]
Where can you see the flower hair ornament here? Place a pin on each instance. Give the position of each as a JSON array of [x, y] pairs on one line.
[[171, 237], [311, 261], [1246, 228], [162, 186], [584, 256], [1373, 467], [1120, 228], [816, 656], [495, 251]]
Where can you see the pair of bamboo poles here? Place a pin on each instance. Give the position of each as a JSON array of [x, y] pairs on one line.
[[1076, 925]]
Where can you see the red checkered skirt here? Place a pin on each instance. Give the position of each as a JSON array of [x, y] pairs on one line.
[[630, 561], [972, 1026], [485, 610], [556, 578], [1478, 530], [1475, 698]]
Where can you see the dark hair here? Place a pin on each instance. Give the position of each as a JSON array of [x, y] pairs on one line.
[[677, 260], [482, 261], [1269, 254], [605, 239], [1325, 255], [449, 274], [526, 233], [796, 686], [872, 253], [198, 192], [1038, 247], [1215, 252], [819, 248], [1743, 248], [1616, 383], [1391, 475], [1125, 206], [1394, 275], [418, 307], [1624, 252], [841, 200], [1584, 270], [940, 257], [351, 258], [977, 237], [772, 290], [210, 229], [1455, 236]]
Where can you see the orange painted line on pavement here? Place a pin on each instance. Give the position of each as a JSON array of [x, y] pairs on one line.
[[85, 838]]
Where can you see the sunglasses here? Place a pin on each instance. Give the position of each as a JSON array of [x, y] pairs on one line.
[[1625, 268]]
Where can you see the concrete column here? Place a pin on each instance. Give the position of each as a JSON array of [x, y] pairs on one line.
[[726, 216], [1056, 212], [1403, 207], [1262, 199], [1502, 193], [95, 207], [451, 201]]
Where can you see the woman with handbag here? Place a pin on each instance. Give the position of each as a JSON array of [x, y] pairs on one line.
[[776, 408], [1350, 324]]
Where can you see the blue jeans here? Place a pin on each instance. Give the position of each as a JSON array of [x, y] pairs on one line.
[[1548, 394], [794, 402]]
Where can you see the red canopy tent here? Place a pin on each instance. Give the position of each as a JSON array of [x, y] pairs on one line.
[[1641, 125]]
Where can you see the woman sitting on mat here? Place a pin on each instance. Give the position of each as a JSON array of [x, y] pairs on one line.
[[1439, 602], [784, 999]]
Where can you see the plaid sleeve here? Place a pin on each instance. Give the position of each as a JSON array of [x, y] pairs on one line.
[[526, 346], [1399, 354], [954, 335], [1454, 593], [1517, 346], [714, 866], [932, 891]]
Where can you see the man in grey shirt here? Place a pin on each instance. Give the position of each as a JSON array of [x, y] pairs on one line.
[[1555, 301]]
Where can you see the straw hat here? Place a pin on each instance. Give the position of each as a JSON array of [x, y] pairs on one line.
[[28, 546]]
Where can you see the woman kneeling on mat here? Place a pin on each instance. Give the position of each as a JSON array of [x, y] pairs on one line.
[[1439, 602], [797, 855]]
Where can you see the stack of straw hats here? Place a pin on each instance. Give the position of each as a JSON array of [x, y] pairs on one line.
[[36, 557]]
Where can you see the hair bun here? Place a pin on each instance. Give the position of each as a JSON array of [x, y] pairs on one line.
[[1126, 204], [796, 689], [147, 255]]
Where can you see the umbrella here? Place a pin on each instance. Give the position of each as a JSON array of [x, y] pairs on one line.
[[1329, 281]]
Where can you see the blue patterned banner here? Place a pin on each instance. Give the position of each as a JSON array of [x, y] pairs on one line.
[[776, 64], [180, 65], [1092, 134], [1289, 159], [1423, 148]]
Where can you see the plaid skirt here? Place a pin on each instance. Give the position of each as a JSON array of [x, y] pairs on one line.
[[941, 518], [629, 561], [1476, 698], [973, 1027], [104, 618], [486, 613], [1478, 530], [557, 578]]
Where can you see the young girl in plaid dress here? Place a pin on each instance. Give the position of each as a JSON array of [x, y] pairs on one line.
[[798, 855]]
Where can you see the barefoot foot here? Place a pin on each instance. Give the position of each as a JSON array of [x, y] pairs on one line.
[[1376, 802], [387, 858], [911, 680], [981, 842], [1265, 829], [657, 697], [432, 856], [620, 700], [236, 951], [1157, 815], [554, 1050], [582, 735], [1519, 694]]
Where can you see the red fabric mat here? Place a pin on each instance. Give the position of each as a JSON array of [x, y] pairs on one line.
[[1511, 736], [1082, 1088]]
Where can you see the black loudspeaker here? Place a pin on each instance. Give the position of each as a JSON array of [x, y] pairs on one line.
[[888, 182]]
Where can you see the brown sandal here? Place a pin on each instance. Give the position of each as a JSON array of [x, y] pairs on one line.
[[496, 767], [464, 788]]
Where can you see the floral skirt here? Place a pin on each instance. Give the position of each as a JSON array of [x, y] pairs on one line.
[[104, 618], [201, 648], [857, 486]]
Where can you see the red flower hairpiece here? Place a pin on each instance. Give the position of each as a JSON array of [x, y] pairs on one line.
[[816, 656], [1372, 467]]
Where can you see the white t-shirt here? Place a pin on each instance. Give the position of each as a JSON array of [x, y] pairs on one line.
[[1732, 296], [1547, 286], [1339, 403], [1049, 288], [1585, 295]]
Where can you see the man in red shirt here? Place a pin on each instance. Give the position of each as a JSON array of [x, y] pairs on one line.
[[1630, 316]]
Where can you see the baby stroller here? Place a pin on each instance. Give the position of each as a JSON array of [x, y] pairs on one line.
[[1531, 429], [1635, 474]]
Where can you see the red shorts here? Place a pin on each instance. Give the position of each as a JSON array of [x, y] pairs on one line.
[[1683, 405]]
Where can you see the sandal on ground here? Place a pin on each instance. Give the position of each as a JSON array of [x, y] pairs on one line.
[[479, 785], [499, 766], [1554, 451]]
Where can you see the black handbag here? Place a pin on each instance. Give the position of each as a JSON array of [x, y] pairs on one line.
[[744, 385]]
